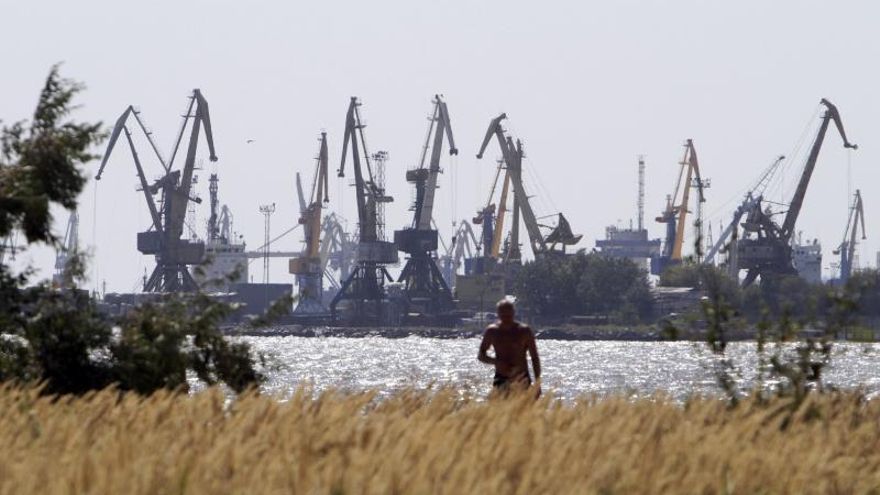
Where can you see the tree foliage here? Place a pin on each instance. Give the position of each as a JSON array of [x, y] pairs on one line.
[[681, 275], [39, 161], [58, 337], [583, 284], [61, 339]]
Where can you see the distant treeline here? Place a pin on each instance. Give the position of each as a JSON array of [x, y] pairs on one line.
[[555, 288]]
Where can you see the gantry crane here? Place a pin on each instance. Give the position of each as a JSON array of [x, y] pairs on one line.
[[676, 211], [425, 289], [766, 249], [491, 218], [63, 257], [463, 246], [337, 251], [309, 268], [847, 248], [365, 286], [512, 154], [163, 240], [750, 202]]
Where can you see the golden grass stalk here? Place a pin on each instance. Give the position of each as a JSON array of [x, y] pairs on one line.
[[430, 442]]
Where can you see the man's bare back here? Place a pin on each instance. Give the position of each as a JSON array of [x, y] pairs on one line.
[[511, 341]]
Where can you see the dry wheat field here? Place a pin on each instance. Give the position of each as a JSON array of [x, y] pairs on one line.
[[431, 442]]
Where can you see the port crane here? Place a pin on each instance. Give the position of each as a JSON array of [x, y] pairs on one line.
[[492, 217], [765, 250], [847, 248], [463, 246], [163, 240], [424, 287], [676, 211], [751, 201], [365, 286], [309, 268], [63, 257], [512, 154], [337, 250]]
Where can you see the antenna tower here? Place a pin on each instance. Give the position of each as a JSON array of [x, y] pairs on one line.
[[267, 211], [641, 201]]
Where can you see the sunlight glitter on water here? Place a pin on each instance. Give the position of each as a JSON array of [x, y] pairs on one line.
[[571, 368]]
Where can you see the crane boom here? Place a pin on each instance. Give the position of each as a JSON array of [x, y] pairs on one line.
[[200, 119], [501, 212], [309, 267], [300, 195], [847, 249], [163, 239], [745, 207], [752, 200], [797, 200], [425, 208], [319, 197], [353, 130], [513, 155], [62, 276], [364, 286], [692, 176], [676, 211]]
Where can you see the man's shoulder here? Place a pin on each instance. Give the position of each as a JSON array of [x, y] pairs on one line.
[[492, 328], [524, 328]]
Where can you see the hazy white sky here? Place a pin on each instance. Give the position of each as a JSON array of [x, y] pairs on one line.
[[587, 87]]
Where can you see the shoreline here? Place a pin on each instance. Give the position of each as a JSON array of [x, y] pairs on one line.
[[564, 333]]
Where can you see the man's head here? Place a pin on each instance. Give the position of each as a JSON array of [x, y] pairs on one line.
[[506, 311]]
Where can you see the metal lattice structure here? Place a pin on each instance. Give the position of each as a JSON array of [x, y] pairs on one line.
[[164, 238], [363, 291], [425, 288]]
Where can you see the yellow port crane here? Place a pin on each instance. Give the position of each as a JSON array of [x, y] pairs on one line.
[[675, 214], [309, 267], [560, 235], [492, 216]]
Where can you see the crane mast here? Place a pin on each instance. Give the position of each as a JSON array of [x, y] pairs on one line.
[[847, 248], [767, 249], [492, 216], [751, 201], [309, 267], [463, 245], [513, 154], [62, 276], [424, 286], [441, 126], [797, 200], [364, 288], [676, 211], [163, 240], [500, 216]]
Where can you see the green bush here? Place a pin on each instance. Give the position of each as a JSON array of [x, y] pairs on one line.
[[58, 337], [584, 284]]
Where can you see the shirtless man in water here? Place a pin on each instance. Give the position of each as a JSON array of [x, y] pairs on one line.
[[510, 340]]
